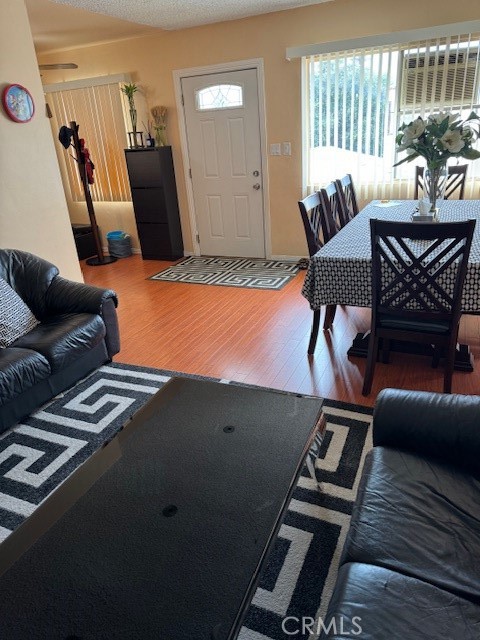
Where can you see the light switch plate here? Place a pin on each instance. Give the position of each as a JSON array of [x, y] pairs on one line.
[[275, 149], [286, 148]]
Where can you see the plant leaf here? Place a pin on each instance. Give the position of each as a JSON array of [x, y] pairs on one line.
[[412, 156], [471, 154]]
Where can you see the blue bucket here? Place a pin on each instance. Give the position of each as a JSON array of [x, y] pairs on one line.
[[115, 235]]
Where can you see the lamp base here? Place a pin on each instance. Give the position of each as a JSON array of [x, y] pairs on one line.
[[96, 262]]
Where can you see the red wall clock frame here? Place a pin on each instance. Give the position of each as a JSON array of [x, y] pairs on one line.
[[18, 103]]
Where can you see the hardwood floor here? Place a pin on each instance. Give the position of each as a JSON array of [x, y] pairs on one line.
[[258, 337]]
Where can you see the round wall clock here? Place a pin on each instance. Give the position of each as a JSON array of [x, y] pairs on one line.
[[18, 103]]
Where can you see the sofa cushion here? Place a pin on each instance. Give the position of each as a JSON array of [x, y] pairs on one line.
[[64, 338], [16, 319], [20, 369], [29, 275], [386, 604], [418, 517]]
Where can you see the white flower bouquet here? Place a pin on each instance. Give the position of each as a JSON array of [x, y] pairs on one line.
[[440, 137]]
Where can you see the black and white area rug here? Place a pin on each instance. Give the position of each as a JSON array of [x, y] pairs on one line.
[[37, 455], [231, 272]]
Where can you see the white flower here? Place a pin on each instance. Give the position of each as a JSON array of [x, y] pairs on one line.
[[414, 130], [452, 140], [411, 133], [438, 118]]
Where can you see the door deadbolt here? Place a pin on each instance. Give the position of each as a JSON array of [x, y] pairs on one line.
[[256, 173], [256, 186]]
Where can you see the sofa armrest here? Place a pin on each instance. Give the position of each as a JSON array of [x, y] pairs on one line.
[[112, 337], [441, 426], [66, 296]]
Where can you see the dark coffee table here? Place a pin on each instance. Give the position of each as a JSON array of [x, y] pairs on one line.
[[168, 541]]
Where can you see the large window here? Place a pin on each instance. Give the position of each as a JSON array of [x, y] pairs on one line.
[[355, 101], [98, 109]]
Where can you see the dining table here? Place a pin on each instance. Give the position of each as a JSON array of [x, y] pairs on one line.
[[341, 271]]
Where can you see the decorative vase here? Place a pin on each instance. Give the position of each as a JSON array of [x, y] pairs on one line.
[[134, 143], [133, 118], [435, 182], [161, 135]]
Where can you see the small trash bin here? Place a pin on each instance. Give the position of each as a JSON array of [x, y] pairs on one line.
[[119, 244]]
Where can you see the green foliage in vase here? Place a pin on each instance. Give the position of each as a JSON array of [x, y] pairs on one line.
[[440, 137], [129, 90]]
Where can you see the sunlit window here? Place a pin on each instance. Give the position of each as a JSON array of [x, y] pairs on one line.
[[220, 96], [98, 110], [355, 101]]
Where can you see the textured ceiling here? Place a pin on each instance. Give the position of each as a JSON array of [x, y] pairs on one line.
[[55, 27], [179, 14]]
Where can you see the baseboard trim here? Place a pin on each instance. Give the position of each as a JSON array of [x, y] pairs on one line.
[[287, 258]]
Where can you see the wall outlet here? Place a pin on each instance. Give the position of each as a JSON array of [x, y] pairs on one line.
[[275, 149], [286, 148]]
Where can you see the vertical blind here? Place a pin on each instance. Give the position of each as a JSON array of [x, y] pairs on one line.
[[99, 112], [355, 100]]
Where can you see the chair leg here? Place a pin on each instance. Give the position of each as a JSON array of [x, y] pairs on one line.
[[371, 361], [449, 364], [330, 311], [436, 356], [385, 350], [314, 332]]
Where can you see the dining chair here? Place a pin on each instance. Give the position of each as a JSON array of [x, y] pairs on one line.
[[311, 209], [330, 219], [418, 270], [348, 207], [330, 216], [456, 176]]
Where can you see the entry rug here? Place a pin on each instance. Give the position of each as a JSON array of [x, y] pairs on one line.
[[231, 272], [37, 455]]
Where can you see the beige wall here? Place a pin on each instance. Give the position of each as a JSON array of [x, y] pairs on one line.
[[152, 59], [33, 211]]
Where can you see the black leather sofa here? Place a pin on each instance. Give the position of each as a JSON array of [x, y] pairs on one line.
[[78, 332], [410, 566]]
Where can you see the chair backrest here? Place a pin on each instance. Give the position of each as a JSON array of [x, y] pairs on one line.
[[418, 269], [330, 211], [347, 199], [456, 176], [310, 210]]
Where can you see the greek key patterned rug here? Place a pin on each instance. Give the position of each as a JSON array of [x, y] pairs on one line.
[[37, 455], [231, 272]]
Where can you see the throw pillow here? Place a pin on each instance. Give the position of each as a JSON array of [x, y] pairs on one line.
[[16, 319]]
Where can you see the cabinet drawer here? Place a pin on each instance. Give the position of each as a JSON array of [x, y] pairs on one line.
[[149, 168], [155, 242], [149, 205]]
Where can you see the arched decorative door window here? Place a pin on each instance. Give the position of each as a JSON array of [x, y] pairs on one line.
[[219, 96]]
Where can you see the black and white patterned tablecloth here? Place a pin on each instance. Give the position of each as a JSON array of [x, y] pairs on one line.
[[340, 273]]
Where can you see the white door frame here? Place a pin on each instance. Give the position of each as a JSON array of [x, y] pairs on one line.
[[255, 63]]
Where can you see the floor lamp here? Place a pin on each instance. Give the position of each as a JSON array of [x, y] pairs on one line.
[[64, 137]]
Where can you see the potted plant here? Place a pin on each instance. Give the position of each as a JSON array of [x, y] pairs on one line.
[[160, 125], [129, 90]]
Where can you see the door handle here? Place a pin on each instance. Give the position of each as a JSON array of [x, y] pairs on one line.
[[256, 186]]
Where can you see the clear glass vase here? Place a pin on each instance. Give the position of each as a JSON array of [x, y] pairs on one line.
[[161, 135], [435, 182]]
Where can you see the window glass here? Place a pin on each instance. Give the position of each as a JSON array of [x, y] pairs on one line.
[[220, 96], [355, 101], [98, 110]]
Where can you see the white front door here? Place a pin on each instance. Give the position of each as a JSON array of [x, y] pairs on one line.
[[223, 134]]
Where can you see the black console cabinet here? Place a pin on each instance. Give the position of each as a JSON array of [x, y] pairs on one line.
[[154, 196], [83, 236]]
